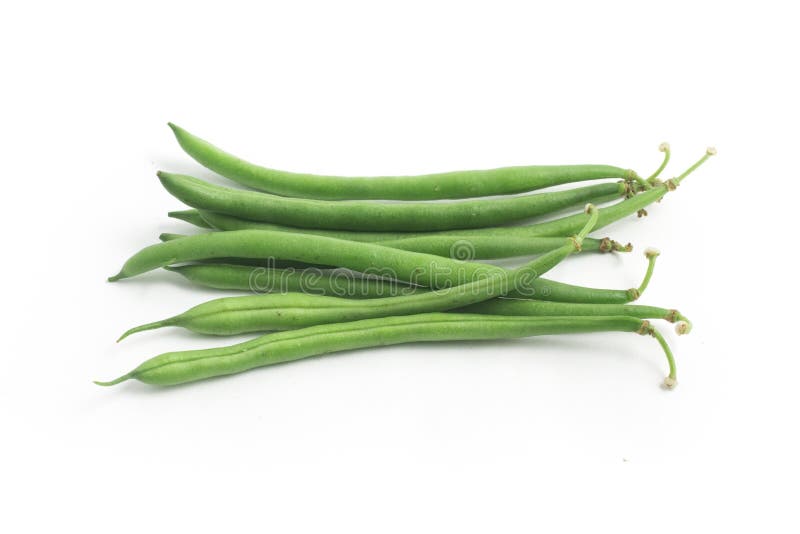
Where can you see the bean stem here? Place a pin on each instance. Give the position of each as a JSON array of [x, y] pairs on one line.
[[664, 147]]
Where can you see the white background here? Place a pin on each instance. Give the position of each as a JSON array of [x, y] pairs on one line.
[[559, 434]]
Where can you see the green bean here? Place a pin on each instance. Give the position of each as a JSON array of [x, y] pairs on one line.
[[368, 258], [238, 315], [191, 216], [477, 247], [235, 315], [173, 368], [345, 283], [461, 184], [379, 216]]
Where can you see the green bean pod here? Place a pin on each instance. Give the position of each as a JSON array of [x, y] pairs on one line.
[[460, 184], [472, 248], [174, 368], [552, 228], [368, 258], [237, 315], [379, 216]]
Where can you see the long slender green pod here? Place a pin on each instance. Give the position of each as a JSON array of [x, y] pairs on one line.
[[380, 216], [187, 366], [459, 184], [368, 258], [236, 315], [474, 248], [345, 283]]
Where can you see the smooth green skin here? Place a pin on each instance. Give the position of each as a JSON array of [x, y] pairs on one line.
[[561, 227], [187, 366], [339, 282], [379, 216], [487, 247], [472, 248], [235, 315], [220, 221], [412, 267], [268, 263], [459, 184]]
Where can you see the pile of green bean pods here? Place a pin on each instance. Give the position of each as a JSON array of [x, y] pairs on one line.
[[329, 269]]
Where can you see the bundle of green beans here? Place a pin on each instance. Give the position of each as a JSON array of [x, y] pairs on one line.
[[330, 270]]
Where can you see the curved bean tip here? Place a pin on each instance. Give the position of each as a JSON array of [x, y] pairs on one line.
[[116, 277], [114, 382], [175, 128], [663, 147], [651, 252], [124, 335], [711, 151], [683, 327]]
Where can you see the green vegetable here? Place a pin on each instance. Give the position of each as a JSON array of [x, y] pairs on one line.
[[461, 184], [179, 367], [473, 248], [380, 216]]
